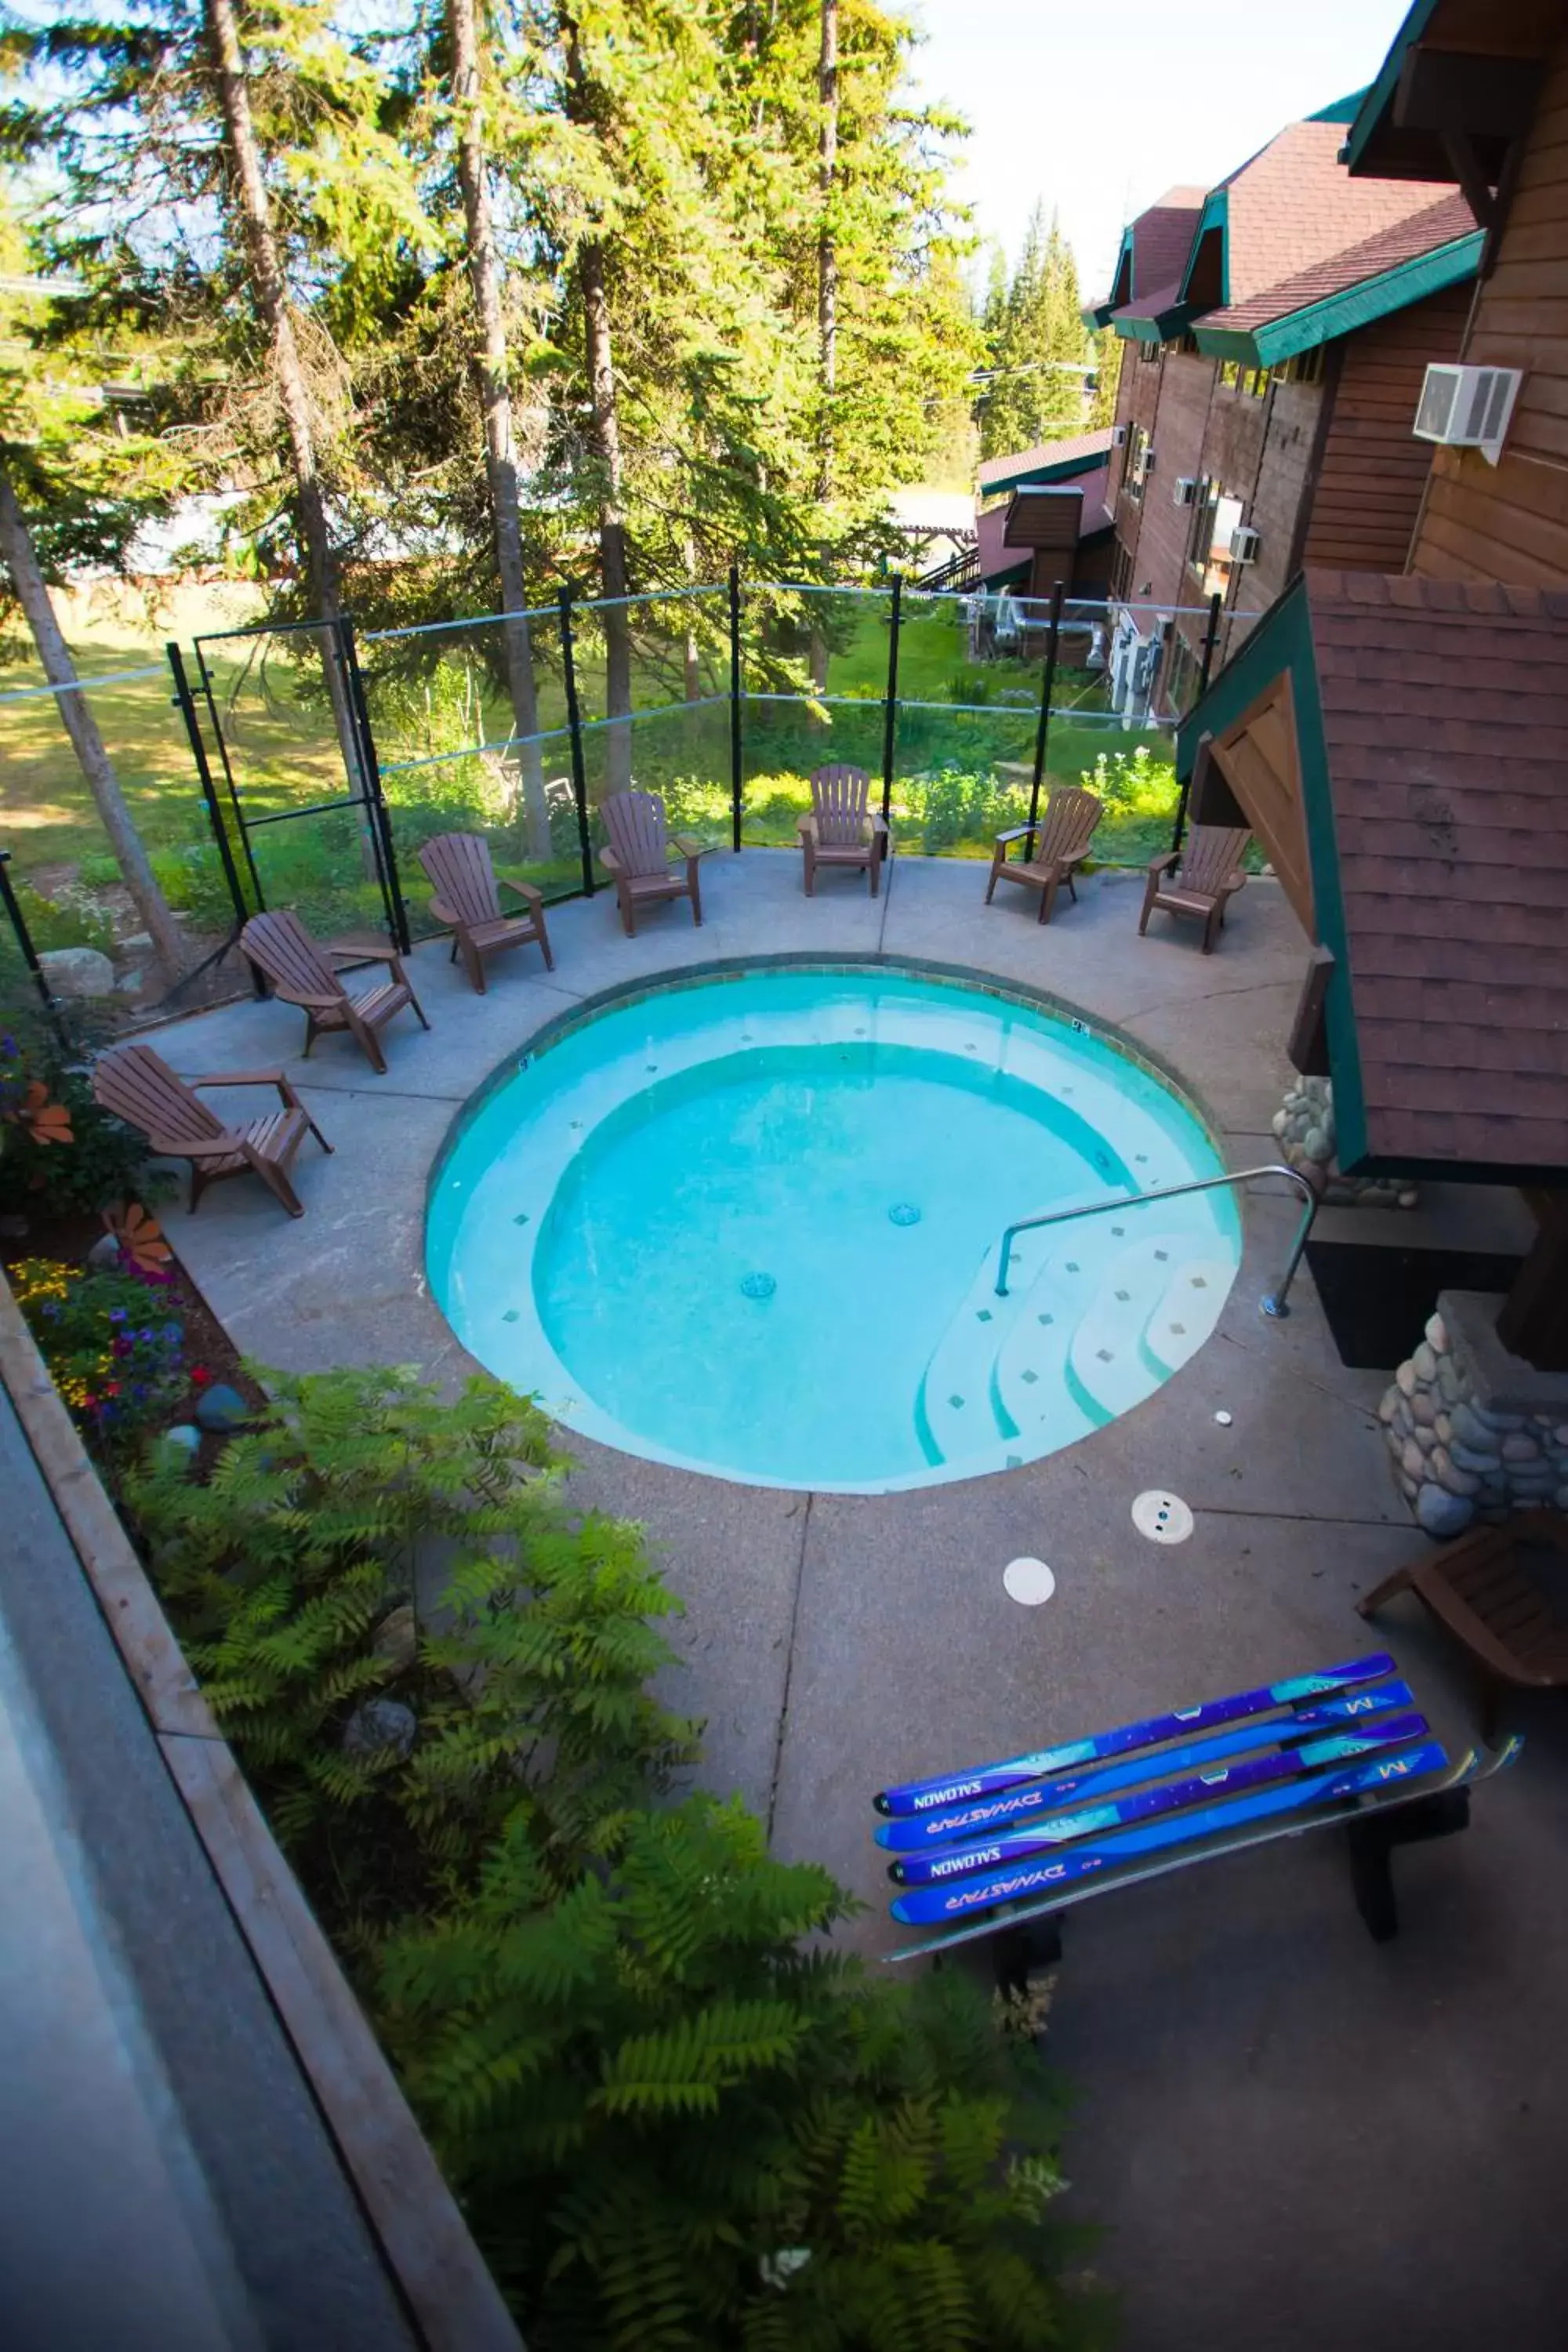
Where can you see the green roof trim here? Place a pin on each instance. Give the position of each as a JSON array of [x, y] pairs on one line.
[[1098, 314], [1216, 214], [1158, 328], [1379, 96], [1061, 470], [1343, 110], [1283, 641], [1354, 306], [1019, 569]]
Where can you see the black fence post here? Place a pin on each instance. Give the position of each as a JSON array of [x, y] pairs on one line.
[[187, 708], [574, 723], [241, 826], [890, 712], [370, 769], [1043, 728], [735, 747], [1211, 632], [30, 953]]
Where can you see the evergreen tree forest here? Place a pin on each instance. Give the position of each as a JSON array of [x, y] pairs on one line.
[[1038, 352], [513, 291]]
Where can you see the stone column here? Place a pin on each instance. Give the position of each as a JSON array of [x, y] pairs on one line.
[[1305, 1128], [1474, 1430]]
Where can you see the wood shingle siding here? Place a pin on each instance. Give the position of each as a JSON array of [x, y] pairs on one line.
[[1371, 469], [1509, 522]]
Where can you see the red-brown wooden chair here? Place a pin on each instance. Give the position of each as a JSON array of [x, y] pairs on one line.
[[843, 829], [1481, 1591], [303, 973], [1052, 847], [1197, 879], [467, 901], [638, 855], [138, 1085]]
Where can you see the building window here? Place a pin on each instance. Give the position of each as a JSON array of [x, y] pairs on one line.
[[1182, 674], [1120, 574], [1149, 355], [1138, 452], [1251, 382], [1306, 367], [1188, 342], [1214, 519]]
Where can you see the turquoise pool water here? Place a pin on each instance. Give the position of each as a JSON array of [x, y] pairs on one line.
[[751, 1224]]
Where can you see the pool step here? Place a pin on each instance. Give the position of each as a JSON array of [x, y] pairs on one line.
[[1075, 1342]]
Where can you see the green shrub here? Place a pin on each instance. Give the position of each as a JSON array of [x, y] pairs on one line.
[[70, 923], [193, 881], [98, 870], [104, 1162], [673, 2119]]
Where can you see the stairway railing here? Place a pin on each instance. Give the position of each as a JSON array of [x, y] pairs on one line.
[[1273, 1302]]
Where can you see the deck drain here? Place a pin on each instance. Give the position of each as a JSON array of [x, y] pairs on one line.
[[758, 1285], [903, 1212], [1029, 1582], [1163, 1517]]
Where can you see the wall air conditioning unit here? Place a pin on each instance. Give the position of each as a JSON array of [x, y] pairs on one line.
[[1186, 490], [1149, 459], [1467, 407], [1243, 544], [1119, 437]]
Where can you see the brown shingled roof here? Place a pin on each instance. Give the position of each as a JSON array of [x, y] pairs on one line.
[[1423, 232], [1045, 453], [1293, 205], [1445, 708], [1161, 237]]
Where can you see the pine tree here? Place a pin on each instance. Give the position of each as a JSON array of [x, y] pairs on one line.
[[1039, 349]]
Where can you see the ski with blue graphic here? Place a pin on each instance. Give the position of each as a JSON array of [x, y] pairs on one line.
[[924, 1905], [1049, 1830], [986, 1779], [916, 1834]]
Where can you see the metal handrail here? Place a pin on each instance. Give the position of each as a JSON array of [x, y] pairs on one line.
[[1273, 1302]]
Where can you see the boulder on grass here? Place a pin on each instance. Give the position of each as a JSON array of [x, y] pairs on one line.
[[76, 972], [378, 1724]]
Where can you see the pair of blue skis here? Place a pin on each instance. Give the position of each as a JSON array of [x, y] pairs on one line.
[[957, 1857]]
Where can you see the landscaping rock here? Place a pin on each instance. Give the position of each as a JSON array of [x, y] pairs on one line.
[[221, 1407], [396, 1639], [1471, 1430], [104, 1254], [76, 972], [177, 1448], [1519, 1447], [1405, 1376], [1475, 1458], [1423, 1408], [378, 1724], [1412, 1460], [1447, 1474], [1436, 1333], [1441, 1514]]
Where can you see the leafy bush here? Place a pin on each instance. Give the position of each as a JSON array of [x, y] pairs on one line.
[[670, 2124], [64, 923], [98, 870], [99, 1161], [955, 805], [1133, 783], [193, 880], [114, 1351]]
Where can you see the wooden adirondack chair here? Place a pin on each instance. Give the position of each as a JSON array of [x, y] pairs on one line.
[[305, 974], [1481, 1591], [1197, 879], [468, 900], [1052, 847], [638, 855], [841, 829], [139, 1087]]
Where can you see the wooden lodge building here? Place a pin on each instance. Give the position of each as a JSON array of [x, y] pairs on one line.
[[1393, 731], [1279, 328]]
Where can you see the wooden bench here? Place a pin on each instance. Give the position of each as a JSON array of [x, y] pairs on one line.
[[1018, 1842]]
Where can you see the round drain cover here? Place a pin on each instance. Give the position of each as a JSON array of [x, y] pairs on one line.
[[1162, 1517], [758, 1285], [1029, 1581]]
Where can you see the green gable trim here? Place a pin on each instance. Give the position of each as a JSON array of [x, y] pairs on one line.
[[1379, 98], [1160, 327], [1018, 569], [1343, 110], [1061, 470], [1355, 306], [1216, 214], [1283, 641]]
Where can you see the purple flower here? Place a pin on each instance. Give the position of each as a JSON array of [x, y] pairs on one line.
[[117, 1314]]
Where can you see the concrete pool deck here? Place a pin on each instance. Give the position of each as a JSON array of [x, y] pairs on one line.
[[1287, 2129]]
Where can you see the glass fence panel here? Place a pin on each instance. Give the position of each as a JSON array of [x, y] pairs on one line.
[[682, 753], [785, 738], [322, 866]]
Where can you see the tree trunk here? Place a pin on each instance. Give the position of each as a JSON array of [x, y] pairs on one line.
[[33, 595], [491, 371], [827, 286], [271, 299]]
